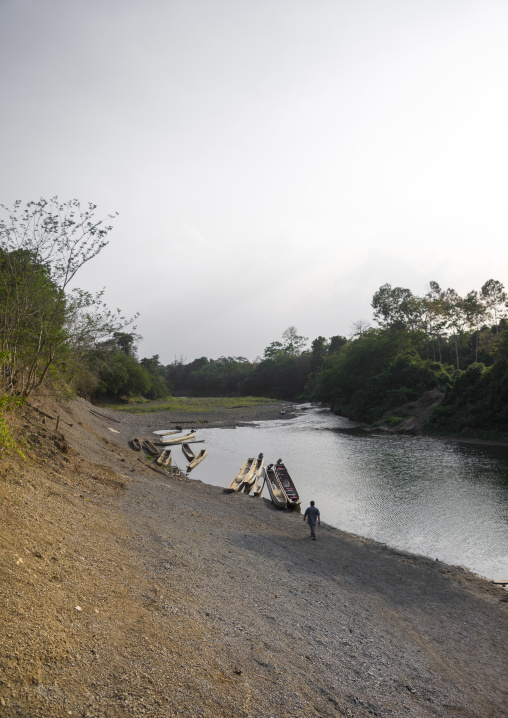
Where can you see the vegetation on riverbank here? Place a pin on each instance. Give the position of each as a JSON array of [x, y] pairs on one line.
[[191, 405], [69, 339]]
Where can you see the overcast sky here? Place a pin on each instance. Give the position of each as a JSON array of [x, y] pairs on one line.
[[273, 162]]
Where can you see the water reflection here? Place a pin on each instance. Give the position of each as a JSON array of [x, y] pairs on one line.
[[435, 497]]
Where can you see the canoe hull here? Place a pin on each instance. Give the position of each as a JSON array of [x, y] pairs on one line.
[[165, 458], [243, 475], [251, 483], [197, 459], [260, 482], [148, 446], [179, 439], [189, 454]]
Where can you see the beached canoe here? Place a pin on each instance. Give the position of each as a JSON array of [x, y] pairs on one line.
[[189, 454], [288, 485], [277, 493], [165, 458], [248, 484], [148, 446], [243, 475], [136, 444], [178, 439], [260, 482], [166, 432], [197, 459]]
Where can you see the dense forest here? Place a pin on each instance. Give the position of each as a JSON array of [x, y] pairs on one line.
[[50, 335]]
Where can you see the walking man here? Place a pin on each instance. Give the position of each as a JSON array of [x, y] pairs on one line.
[[312, 515]]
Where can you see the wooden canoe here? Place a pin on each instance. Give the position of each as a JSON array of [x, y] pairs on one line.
[[136, 444], [196, 460], [277, 493], [288, 485], [178, 439], [243, 475], [260, 482], [166, 432], [148, 446], [189, 454], [165, 458], [248, 484]]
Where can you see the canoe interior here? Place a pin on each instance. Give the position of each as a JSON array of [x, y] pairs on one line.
[[197, 459], [250, 483], [277, 493], [287, 483], [148, 446], [244, 472], [165, 458], [189, 454]]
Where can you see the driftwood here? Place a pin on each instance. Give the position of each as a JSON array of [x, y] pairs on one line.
[[103, 416], [154, 468], [199, 441], [48, 416]]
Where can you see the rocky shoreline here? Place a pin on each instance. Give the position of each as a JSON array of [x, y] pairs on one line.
[[130, 592]]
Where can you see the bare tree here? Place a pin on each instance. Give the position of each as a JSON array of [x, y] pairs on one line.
[[42, 247]]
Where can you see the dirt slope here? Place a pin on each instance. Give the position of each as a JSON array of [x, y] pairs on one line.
[[126, 592]]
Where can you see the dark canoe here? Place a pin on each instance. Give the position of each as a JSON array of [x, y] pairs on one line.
[[288, 485], [277, 493], [136, 444], [189, 454], [148, 446]]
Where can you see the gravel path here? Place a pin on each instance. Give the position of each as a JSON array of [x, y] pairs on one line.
[[195, 602]]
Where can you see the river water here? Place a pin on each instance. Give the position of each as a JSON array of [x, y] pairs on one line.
[[438, 498]]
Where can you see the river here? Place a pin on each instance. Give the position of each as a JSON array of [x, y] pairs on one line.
[[434, 497]]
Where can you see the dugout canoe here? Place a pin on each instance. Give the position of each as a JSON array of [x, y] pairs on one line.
[[165, 458], [293, 497], [243, 475], [189, 454], [136, 444], [178, 439], [260, 482], [248, 484], [197, 459], [166, 432], [148, 446], [277, 493]]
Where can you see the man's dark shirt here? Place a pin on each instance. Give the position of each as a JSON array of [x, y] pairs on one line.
[[312, 514]]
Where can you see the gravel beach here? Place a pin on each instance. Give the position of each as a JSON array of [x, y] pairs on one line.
[[129, 591]]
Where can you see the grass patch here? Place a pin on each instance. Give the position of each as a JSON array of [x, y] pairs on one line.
[[192, 405]]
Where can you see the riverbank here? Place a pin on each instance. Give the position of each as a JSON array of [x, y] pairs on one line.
[[131, 592]]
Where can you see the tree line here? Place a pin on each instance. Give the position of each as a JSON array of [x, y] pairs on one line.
[[52, 334]]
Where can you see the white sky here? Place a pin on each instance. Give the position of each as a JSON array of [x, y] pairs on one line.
[[273, 162]]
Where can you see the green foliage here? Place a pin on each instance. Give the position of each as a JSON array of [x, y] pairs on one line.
[[379, 371], [44, 328], [159, 386], [476, 403], [222, 376], [191, 405], [7, 441], [121, 375]]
